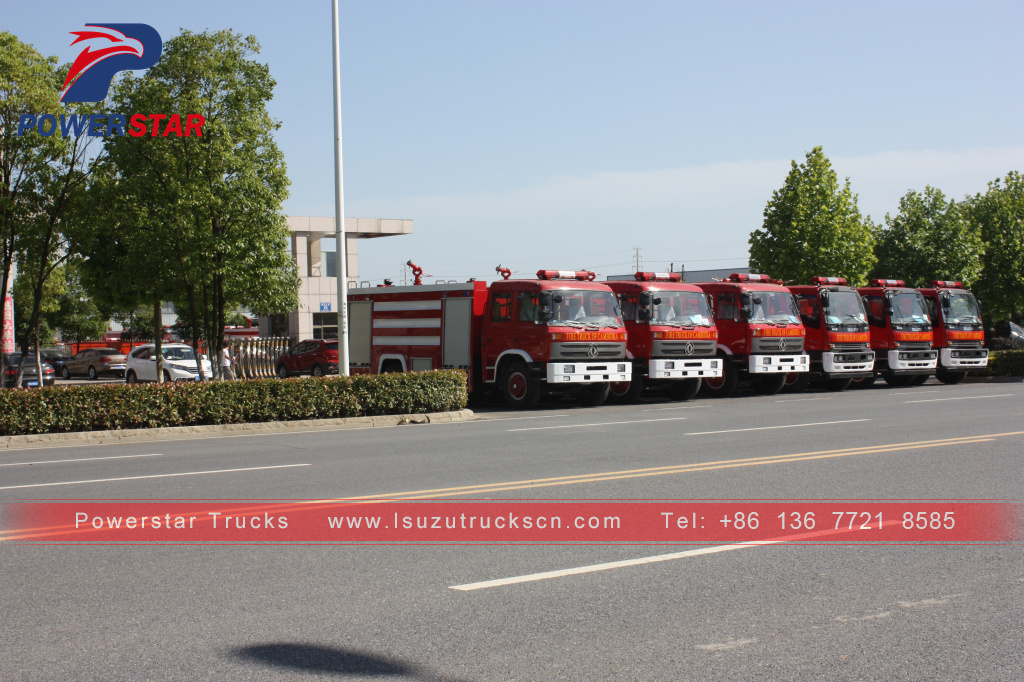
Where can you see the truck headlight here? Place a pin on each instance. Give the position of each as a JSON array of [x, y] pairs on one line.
[[570, 369], [620, 368]]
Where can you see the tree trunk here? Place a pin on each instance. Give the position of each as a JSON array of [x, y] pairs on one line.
[[158, 341]]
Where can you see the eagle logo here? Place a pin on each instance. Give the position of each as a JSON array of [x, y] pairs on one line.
[[110, 48]]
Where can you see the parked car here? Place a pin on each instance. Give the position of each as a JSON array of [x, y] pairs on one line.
[[179, 363], [30, 379], [315, 357], [93, 362], [54, 358]]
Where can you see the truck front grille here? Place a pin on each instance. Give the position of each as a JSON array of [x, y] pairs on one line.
[[793, 344], [582, 351], [683, 349]]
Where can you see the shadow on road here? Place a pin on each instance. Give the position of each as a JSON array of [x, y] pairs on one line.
[[324, 659]]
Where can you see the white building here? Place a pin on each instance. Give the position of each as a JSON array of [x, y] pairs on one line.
[[313, 245]]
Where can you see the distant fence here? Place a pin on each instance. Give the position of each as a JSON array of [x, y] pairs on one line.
[[256, 358]]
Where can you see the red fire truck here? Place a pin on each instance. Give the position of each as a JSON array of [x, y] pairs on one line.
[[837, 338], [672, 335], [559, 333], [760, 336], [956, 323], [901, 333]]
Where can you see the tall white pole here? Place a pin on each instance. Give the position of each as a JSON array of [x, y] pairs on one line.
[[339, 210]]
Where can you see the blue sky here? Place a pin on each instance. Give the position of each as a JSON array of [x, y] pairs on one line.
[[563, 134]]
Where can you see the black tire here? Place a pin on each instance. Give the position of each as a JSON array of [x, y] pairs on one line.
[[282, 372], [770, 384], [167, 377], [318, 371], [391, 367], [863, 383], [625, 392], [918, 379], [724, 386], [594, 394], [839, 384], [130, 377], [796, 382], [520, 390], [684, 389], [93, 374], [898, 380], [947, 377], [65, 374]]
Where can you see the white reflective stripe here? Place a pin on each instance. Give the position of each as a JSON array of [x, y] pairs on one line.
[[407, 340], [407, 305], [567, 274], [415, 323]]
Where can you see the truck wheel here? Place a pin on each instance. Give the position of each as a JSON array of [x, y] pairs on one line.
[[838, 384], [863, 383], [521, 391], [770, 384], [625, 392], [723, 386], [947, 377], [594, 394], [897, 380], [684, 389], [918, 379], [796, 382]]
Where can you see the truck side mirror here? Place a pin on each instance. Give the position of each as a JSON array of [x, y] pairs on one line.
[[545, 314], [745, 313], [644, 302], [756, 300], [644, 314], [824, 298], [945, 301]]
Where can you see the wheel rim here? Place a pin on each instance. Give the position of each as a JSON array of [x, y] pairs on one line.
[[517, 385], [620, 387], [792, 378], [317, 372], [714, 383]]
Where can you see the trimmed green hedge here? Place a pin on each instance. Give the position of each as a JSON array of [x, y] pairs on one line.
[[1006, 363], [123, 406]]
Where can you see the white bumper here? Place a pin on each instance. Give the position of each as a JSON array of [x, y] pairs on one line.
[[681, 369], [832, 365], [966, 357], [775, 364], [913, 359], [589, 372]]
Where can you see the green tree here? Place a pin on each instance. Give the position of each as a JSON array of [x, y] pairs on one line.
[[812, 227], [1000, 215], [212, 204], [930, 238], [77, 316]]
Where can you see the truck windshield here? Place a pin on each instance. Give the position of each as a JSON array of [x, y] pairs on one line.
[[963, 309], [845, 307], [582, 308], [909, 308], [776, 307], [681, 309]]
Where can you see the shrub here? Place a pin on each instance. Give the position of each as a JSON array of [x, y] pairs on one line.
[[1006, 363], [123, 406]]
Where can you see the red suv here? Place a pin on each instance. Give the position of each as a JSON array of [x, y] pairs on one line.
[[315, 357]]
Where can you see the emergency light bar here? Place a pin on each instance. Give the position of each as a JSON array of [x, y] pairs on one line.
[[946, 284], [582, 275], [735, 277], [887, 282], [659, 276], [828, 280]]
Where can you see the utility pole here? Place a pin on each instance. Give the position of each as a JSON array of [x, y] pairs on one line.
[[339, 209]]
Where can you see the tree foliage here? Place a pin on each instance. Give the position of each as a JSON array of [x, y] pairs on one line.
[[930, 238], [999, 214], [812, 227]]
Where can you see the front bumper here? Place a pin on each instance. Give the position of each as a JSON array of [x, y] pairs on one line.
[[588, 372], [912, 359], [845, 362], [964, 357], [776, 364], [684, 368]]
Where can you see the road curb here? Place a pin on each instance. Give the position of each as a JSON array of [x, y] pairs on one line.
[[45, 440]]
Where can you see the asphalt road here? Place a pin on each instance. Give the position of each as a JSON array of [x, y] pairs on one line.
[[332, 611]]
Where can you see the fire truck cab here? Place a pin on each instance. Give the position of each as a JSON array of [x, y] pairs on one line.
[[561, 332], [760, 336], [837, 340], [958, 332], [901, 332], [672, 336]]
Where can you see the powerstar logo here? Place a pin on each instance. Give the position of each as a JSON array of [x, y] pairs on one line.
[[110, 49]]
